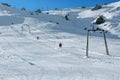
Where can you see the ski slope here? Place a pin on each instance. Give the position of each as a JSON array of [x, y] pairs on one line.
[[24, 57]]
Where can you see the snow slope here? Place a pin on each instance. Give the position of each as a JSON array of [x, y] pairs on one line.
[[86, 16], [24, 57]]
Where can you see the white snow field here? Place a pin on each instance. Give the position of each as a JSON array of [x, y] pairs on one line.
[[24, 57]]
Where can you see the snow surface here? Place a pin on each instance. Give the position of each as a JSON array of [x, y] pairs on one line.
[[24, 57]]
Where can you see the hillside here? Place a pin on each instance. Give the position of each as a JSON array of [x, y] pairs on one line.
[[29, 44], [83, 17]]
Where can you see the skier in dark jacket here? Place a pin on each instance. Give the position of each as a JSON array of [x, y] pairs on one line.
[[60, 45]]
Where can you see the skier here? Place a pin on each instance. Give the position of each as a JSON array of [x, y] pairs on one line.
[[37, 37], [60, 45]]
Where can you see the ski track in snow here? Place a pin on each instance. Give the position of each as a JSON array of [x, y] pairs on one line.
[[62, 53]]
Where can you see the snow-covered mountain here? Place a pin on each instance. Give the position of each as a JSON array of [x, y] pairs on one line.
[[29, 44], [85, 16]]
